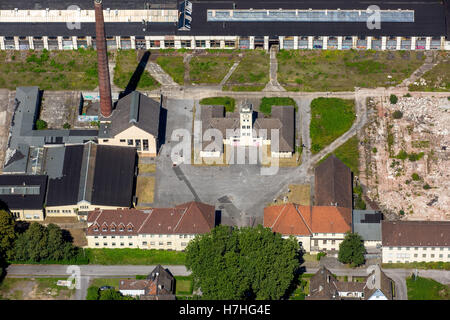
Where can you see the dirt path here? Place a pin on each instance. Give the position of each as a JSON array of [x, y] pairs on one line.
[[160, 75], [431, 60], [273, 84]]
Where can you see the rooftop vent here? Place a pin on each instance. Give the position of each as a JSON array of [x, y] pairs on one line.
[[134, 108]]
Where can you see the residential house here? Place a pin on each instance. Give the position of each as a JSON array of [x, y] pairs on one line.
[[333, 184], [317, 228], [86, 177], [323, 285], [248, 128], [415, 241], [159, 285], [154, 228], [135, 122], [23, 196]]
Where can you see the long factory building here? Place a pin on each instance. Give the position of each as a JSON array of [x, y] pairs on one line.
[[246, 24]]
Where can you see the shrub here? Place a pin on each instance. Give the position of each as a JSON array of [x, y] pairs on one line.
[[402, 212], [408, 95], [393, 98], [402, 155], [374, 150], [414, 156], [397, 114], [66, 126], [415, 177], [427, 187], [320, 255], [93, 293], [41, 124]]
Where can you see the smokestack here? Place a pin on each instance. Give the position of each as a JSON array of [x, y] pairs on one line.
[[102, 59]]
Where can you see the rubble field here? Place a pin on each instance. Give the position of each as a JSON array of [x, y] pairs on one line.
[[405, 151]]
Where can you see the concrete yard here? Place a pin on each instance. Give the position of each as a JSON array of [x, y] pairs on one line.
[[240, 191]]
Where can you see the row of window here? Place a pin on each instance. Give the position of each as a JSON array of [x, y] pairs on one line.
[[137, 143], [130, 244], [59, 211], [417, 248], [181, 236]]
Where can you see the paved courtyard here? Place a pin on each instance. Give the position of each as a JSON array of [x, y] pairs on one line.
[[240, 191]]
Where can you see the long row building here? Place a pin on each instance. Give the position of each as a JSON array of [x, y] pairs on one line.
[[243, 24]]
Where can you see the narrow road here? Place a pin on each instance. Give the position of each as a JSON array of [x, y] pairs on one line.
[[89, 272]]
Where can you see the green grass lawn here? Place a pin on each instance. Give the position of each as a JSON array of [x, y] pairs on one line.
[[50, 70], [183, 285], [330, 118], [228, 102], [348, 153], [267, 103], [135, 257], [126, 64], [302, 289], [343, 70], [100, 282], [174, 66], [437, 79], [210, 69], [252, 74], [426, 289], [419, 265]]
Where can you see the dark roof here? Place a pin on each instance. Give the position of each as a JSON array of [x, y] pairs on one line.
[[28, 201], [283, 119], [114, 176], [367, 223], [99, 174], [415, 233], [135, 109], [333, 183], [431, 19], [83, 4], [324, 286], [64, 190], [163, 280]]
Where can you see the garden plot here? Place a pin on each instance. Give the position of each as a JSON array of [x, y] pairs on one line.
[[406, 157]]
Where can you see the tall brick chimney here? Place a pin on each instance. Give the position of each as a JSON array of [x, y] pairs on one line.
[[102, 59]]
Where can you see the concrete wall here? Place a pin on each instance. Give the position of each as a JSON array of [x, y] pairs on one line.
[[176, 242], [132, 133], [28, 215], [232, 42], [415, 254]]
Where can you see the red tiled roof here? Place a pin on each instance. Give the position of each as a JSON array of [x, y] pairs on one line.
[[292, 219], [188, 218]]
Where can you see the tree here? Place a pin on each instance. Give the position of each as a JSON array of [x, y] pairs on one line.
[[246, 263], [41, 124], [66, 125], [351, 250], [112, 294], [393, 98], [92, 293], [40, 243], [397, 114], [7, 234]]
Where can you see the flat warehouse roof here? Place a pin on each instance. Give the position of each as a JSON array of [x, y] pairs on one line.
[[429, 20]]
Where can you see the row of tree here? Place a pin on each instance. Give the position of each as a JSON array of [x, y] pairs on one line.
[[36, 244]]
